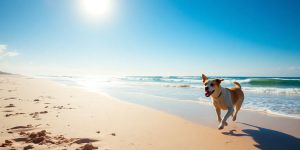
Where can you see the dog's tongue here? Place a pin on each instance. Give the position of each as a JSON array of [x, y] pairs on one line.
[[207, 94]]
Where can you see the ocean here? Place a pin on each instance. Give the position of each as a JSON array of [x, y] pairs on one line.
[[273, 95]]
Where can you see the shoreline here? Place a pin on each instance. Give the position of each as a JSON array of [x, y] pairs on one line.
[[61, 110]]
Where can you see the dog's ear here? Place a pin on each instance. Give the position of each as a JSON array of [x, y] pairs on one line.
[[204, 78], [219, 80]]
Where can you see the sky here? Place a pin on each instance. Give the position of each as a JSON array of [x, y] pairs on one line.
[[150, 37]]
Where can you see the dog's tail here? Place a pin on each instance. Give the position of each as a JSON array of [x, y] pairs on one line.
[[237, 84]]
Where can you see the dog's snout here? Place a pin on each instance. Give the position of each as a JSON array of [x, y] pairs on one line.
[[206, 88]]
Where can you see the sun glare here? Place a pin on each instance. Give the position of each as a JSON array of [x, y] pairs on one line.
[[96, 9]]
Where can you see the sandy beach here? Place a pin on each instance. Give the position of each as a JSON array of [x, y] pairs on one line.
[[42, 114]]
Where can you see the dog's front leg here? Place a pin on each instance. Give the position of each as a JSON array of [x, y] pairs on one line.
[[223, 122], [218, 111]]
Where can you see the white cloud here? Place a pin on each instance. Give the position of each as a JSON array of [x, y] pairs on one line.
[[4, 52]]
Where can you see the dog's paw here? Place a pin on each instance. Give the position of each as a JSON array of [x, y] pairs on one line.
[[233, 118], [225, 123], [221, 126]]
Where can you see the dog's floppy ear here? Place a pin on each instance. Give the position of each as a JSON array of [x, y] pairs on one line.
[[219, 80], [204, 78]]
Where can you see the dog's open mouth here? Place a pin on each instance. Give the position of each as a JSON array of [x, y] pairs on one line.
[[208, 93]]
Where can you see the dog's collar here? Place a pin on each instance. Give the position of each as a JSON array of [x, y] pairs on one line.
[[220, 94]]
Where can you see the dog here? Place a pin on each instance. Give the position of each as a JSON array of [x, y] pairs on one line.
[[229, 99]]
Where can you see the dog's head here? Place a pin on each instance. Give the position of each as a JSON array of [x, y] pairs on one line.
[[211, 86]]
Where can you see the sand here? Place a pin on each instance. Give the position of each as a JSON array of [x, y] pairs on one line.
[[42, 114]]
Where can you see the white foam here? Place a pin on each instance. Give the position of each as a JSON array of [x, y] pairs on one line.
[[255, 90], [230, 81], [270, 90]]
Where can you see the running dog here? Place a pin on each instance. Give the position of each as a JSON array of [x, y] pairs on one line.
[[229, 99]]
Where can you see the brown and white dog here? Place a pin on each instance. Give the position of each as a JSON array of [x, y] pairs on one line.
[[230, 99]]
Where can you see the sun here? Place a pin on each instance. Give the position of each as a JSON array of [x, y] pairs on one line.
[[96, 9]]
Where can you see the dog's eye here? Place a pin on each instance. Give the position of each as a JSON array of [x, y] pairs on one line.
[[211, 84]]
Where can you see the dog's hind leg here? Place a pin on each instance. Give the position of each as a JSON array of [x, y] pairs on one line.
[[237, 108]]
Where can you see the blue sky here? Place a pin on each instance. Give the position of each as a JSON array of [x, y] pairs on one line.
[[151, 37]]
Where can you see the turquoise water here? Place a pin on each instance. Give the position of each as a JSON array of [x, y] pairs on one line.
[[274, 95]]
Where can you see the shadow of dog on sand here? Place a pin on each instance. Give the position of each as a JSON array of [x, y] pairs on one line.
[[268, 139]]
